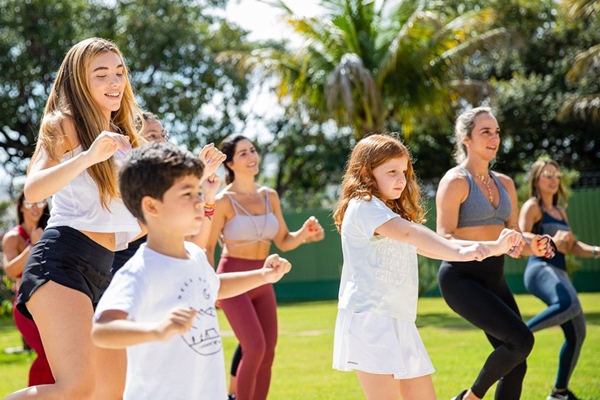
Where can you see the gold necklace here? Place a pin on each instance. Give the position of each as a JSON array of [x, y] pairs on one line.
[[487, 185]]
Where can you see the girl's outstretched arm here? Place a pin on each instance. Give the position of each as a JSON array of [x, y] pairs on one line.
[[431, 244]]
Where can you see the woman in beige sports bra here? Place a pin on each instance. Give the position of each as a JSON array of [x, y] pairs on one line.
[[247, 219]]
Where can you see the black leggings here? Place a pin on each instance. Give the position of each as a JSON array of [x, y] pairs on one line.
[[477, 291], [236, 359]]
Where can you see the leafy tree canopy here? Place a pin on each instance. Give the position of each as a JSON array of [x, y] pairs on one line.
[[170, 47], [414, 65]]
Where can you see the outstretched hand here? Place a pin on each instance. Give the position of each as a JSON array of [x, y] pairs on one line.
[[275, 268], [312, 230], [179, 322]]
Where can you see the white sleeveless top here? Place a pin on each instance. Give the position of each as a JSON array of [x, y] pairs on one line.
[[77, 205]]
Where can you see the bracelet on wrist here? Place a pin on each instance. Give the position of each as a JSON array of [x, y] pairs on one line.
[[595, 252]]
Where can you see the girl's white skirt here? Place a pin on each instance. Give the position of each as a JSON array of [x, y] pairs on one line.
[[379, 344]]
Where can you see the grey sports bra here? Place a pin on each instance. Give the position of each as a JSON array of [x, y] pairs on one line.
[[244, 228], [477, 210]]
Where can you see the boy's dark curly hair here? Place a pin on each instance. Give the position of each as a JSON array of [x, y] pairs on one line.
[[151, 170]]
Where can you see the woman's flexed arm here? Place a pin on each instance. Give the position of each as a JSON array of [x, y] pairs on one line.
[[47, 176]]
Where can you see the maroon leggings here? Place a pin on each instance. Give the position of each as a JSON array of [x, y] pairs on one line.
[[40, 372], [253, 318]]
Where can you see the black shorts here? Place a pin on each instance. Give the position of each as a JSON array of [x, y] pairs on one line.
[[122, 256], [68, 257]]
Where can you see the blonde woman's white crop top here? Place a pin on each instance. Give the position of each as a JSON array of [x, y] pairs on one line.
[[77, 205]]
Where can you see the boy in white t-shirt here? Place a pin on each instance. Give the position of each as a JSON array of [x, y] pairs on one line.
[[161, 304]]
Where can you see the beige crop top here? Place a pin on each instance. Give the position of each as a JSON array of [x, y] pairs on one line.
[[246, 228]]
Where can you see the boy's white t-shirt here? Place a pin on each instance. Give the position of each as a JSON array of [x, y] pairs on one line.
[[147, 288], [379, 274]]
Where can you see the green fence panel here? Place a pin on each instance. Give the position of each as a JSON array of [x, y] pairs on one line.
[[317, 266]]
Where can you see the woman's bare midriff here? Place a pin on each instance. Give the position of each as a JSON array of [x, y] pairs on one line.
[[104, 239], [254, 251], [479, 233]]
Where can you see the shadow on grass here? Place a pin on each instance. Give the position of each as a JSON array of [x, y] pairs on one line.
[[592, 318], [453, 321], [6, 323], [5, 329], [443, 321], [14, 358]]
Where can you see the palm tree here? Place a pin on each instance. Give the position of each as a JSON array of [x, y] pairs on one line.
[[372, 65], [586, 65]]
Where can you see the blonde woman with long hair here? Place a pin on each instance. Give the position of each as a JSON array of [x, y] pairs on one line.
[[547, 279], [88, 126]]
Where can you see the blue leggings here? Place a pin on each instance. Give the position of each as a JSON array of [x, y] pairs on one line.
[[553, 287], [478, 292]]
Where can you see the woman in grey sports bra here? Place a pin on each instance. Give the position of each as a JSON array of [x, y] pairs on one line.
[[247, 220], [474, 203]]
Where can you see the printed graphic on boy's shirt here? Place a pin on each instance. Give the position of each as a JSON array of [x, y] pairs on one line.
[[204, 336]]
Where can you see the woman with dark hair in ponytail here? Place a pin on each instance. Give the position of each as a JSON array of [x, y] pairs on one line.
[[247, 219]]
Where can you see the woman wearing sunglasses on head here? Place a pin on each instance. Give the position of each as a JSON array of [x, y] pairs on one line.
[[16, 244], [547, 278]]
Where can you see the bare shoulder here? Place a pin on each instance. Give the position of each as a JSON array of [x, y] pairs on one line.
[[11, 237], [531, 209], [222, 197], [506, 180], [531, 205], [60, 130], [271, 192], [70, 131], [454, 179], [273, 195], [223, 203], [454, 174]]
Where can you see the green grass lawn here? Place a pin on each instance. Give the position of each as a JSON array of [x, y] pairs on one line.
[[303, 371]]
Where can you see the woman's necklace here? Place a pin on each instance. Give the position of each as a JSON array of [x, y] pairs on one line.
[[487, 185]]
